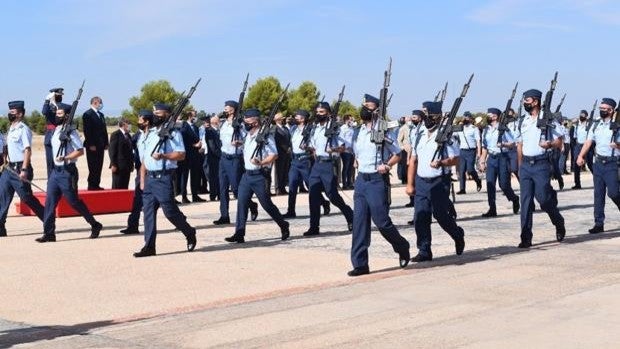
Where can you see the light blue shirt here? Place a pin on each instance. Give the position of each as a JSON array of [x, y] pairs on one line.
[[425, 150], [366, 153], [226, 133], [468, 138], [318, 141], [581, 132], [296, 138], [602, 136], [490, 142], [74, 143], [249, 145], [529, 136], [148, 142], [2, 143], [513, 126], [18, 139]]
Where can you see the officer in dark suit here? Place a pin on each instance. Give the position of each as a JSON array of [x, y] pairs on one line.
[[158, 165], [213, 149], [49, 111], [19, 172], [533, 151], [133, 221], [605, 169], [121, 155], [322, 176], [370, 199], [257, 167], [191, 166], [95, 141], [282, 137], [63, 179], [429, 181]]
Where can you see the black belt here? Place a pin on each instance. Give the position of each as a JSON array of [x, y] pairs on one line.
[[16, 165], [302, 156], [370, 176], [606, 159], [324, 159], [231, 156], [468, 149], [159, 174], [496, 155], [432, 179], [534, 159], [70, 166], [261, 171]]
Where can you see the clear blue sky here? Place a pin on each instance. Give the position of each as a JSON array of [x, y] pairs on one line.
[[118, 45]]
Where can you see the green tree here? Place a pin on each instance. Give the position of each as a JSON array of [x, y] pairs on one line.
[[264, 94], [303, 97], [347, 107], [36, 122], [150, 93]]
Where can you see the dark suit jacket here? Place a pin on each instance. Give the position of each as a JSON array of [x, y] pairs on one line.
[[121, 151], [282, 137], [213, 142], [95, 131], [189, 139]]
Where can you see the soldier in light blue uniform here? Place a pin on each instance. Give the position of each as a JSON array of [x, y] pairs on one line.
[[64, 178], [469, 141], [231, 163], [322, 177], [257, 168], [533, 149], [513, 126], [495, 161], [606, 160], [18, 143], [580, 134], [159, 162], [370, 199], [430, 182]]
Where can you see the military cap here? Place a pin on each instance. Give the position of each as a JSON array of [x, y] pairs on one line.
[[58, 90], [467, 114], [418, 113], [162, 106], [494, 111], [533, 93], [610, 102], [371, 99], [65, 107], [324, 105], [251, 113], [146, 114], [232, 104], [433, 108], [303, 112], [16, 105], [584, 112]]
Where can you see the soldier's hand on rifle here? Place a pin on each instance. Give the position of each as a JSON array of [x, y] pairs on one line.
[[256, 162], [436, 164], [158, 156], [545, 144], [60, 158], [329, 150], [614, 145], [236, 143], [384, 168]]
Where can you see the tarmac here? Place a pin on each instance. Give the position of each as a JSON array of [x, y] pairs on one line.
[[266, 293]]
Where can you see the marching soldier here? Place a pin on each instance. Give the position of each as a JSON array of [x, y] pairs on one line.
[[580, 134], [605, 169], [231, 165], [533, 149], [158, 165], [370, 198], [513, 127], [62, 182], [429, 181], [49, 111], [496, 162], [322, 177], [469, 140], [19, 173], [257, 167]]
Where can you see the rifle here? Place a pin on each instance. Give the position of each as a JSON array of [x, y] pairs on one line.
[[444, 133], [443, 92], [379, 126], [8, 168], [591, 117], [545, 123], [557, 109], [503, 119], [265, 128], [238, 118], [68, 126], [558, 114], [332, 128], [389, 100], [437, 96], [169, 125]]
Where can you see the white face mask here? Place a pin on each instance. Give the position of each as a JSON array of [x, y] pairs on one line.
[[408, 123]]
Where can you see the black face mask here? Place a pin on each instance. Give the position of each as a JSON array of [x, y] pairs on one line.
[[366, 114], [466, 122], [142, 127], [12, 117], [583, 118], [248, 127], [60, 120], [158, 121], [415, 122], [58, 98], [430, 123], [604, 114], [321, 118], [528, 107]]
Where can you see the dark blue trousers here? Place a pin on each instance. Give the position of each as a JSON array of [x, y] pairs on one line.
[[467, 165], [432, 199], [514, 163], [133, 221], [498, 168], [347, 169], [63, 182], [322, 178], [605, 179], [213, 163], [9, 184], [229, 175], [159, 192], [370, 202], [298, 172], [534, 180], [254, 183]]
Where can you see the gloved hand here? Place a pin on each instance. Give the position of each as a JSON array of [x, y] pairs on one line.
[[50, 97]]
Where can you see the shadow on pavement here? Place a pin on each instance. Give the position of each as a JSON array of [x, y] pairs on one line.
[[33, 334]]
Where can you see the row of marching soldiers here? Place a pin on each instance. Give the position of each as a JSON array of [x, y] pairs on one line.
[[245, 166]]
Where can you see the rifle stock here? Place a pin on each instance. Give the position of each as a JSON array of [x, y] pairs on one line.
[[263, 131]]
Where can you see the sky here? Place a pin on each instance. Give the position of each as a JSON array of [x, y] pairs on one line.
[[118, 45]]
